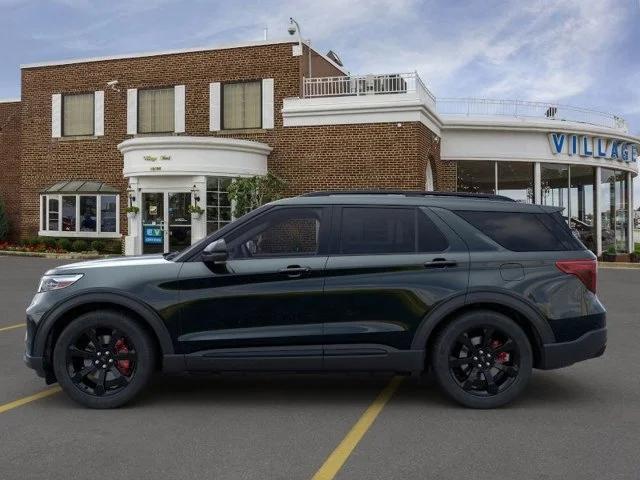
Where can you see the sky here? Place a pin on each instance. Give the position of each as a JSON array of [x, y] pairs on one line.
[[576, 52]]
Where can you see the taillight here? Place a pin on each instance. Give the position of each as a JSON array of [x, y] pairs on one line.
[[585, 270]]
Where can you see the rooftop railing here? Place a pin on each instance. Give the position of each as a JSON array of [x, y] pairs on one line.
[[404, 83], [356, 85], [481, 107]]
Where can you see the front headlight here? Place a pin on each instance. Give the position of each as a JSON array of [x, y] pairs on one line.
[[56, 282]]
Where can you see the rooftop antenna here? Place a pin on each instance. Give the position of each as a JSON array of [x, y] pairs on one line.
[[266, 33]]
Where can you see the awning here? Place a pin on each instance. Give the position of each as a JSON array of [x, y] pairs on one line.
[[81, 186]]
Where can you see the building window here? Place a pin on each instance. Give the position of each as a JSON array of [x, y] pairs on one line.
[[156, 110], [614, 192], [515, 180], [554, 183], [218, 204], [476, 176], [242, 105], [75, 215], [581, 202], [78, 115]]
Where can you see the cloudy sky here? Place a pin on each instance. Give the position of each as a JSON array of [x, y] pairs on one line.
[[583, 52]]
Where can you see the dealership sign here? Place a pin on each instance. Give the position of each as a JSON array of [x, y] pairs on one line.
[[590, 146]]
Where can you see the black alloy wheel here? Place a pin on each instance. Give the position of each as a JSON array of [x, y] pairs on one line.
[[482, 359], [103, 359]]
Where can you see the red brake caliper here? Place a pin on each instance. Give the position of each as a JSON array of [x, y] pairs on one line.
[[502, 357], [123, 366]]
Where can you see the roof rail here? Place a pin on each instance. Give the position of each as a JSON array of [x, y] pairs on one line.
[[409, 193]]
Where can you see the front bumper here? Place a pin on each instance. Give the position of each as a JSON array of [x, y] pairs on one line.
[[35, 363], [590, 345]]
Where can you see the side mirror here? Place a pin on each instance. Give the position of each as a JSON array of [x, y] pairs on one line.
[[215, 252]]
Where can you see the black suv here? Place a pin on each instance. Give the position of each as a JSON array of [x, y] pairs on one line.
[[478, 288]]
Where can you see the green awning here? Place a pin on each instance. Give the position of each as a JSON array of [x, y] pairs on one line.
[[81, 186]]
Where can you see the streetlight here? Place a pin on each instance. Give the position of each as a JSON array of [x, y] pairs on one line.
[[294, 28]]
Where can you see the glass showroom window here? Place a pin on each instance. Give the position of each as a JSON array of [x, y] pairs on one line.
[[554, 182], [476, 176], [77, 115], [218, 204], [242, 105], [156, 110], [515, 180], [581, 204], [614, 191], [78, 215]]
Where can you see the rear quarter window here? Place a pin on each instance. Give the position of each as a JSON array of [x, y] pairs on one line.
[[523, 232]]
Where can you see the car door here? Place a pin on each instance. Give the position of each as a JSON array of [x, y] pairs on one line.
[[262, 308], [389, 266]]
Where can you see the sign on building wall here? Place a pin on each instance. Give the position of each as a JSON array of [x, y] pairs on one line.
[[592, 146]]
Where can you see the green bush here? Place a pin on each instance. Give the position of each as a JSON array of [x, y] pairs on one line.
[[64, 244], [4, 222], [79, 246], [48, 242], [30, 241], [113, 246], [98, 246]]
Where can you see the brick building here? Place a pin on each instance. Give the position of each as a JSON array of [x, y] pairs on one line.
[[161, 131]]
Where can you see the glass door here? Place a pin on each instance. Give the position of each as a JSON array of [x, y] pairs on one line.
[[179, 221], [153, 222]]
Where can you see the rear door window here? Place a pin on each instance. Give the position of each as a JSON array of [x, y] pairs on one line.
[[370, 230], [522, 232]]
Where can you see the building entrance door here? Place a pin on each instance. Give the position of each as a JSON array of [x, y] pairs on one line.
[[166, 222]]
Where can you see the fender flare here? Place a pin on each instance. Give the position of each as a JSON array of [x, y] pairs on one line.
[[122, 299], [531, 313]]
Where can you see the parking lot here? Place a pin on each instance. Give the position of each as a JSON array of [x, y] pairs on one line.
[[580, 422]]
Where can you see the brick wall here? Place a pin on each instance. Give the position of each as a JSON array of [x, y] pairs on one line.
[[307, 158], [9, 162]]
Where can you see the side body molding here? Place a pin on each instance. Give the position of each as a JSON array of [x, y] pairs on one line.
[[534, 317], [122, 299]]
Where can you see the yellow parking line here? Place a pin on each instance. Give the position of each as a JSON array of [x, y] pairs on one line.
[[11, 327], [31, 398], [333, 464]]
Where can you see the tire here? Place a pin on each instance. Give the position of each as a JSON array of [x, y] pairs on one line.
[[482, 359], [103, 359]]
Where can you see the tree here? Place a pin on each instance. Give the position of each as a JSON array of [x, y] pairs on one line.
[[249, 193], [4, 222]]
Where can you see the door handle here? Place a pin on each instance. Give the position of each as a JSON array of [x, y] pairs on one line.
[[294, 271], [440, 263]]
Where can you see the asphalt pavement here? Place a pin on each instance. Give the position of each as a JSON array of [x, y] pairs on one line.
[[582, 422]]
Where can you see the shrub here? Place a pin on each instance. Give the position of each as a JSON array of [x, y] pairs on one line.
[[113, 246], [30, 241], [64, 244], [79, 246], [98, 246], [48, 242], [4, 222]]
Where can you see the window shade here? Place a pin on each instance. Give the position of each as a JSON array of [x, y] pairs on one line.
[[242, 107], [156, 110], [77, 114]]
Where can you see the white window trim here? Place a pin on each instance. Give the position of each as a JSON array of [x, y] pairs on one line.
[[78, 233], [179, 110], [98, 113], [215, 117], [132, 111]]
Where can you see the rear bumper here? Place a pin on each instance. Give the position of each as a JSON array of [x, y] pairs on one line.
[[590, 345]]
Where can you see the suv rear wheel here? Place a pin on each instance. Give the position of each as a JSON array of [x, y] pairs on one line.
[[103, 359], [482, 359]]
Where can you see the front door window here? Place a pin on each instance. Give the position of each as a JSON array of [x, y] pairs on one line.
[[166, 222]]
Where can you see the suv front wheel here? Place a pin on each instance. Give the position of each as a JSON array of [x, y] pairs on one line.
[[103, 359], [482, 359]]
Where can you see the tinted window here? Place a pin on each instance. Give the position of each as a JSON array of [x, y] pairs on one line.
[[520, 232], [284, 232], [388, 230]]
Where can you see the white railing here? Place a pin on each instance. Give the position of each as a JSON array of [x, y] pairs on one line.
[[393, 83], [519, 108]]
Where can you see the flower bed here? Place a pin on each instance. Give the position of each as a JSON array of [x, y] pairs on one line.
[[62, 245]]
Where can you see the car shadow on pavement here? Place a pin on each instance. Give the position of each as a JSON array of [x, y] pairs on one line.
[[545, 389]]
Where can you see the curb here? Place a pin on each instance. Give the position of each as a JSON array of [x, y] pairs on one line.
[[57, 256], [619, 265]]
